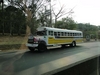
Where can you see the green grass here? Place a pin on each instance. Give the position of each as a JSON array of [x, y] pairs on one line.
[[6, 40], [12, 42]]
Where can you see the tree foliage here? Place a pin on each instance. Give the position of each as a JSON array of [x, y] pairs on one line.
[[13, 21], [66, 23], [21, 14], [31, 9], [88, 29]]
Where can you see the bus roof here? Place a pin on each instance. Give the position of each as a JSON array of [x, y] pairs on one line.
[[57, 29]]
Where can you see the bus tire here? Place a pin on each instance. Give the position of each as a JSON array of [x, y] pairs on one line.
[[42, 47], [31, 49], [73, 44]]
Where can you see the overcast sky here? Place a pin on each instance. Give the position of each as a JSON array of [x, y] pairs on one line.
[[85, 11]]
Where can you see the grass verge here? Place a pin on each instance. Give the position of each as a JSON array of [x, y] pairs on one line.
[[13, 42]]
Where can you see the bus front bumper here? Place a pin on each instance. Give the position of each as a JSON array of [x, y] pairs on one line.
[[31, 45]]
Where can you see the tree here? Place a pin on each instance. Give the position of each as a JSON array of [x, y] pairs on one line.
[[44, 18], [14, 21], [59, 24], [88, 30], [66, 23], [30, 8], [61, 13], [99, 32]]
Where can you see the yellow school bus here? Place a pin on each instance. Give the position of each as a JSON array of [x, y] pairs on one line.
[[48, 37]]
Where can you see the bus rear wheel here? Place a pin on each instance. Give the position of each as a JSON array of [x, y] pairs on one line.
[[73, 44]]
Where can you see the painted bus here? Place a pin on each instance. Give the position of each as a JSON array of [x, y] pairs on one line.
[[49, 37]]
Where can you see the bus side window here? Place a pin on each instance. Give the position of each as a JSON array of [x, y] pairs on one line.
[[65, 33], [77, 34], [80, 34], [51, 33], [48, 32], [55, 33], [58, 33], [62, 33], [73, 34], [68, 34]]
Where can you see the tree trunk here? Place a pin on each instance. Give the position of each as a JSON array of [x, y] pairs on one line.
[[27, 30]]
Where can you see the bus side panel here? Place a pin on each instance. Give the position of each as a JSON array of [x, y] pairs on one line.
[[79, 40], [52, 40]]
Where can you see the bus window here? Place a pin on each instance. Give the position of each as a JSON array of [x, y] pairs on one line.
[[55, 33], [73, 34], [62, 33], [41, 33], [80, 34], [77, 34], [51, 33], [65, 33], [68, 34], [58, 33]]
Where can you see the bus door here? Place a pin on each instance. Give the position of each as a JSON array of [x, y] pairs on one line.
[[51, 37]]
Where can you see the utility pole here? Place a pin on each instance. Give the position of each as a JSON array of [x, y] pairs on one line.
[[50, 15]]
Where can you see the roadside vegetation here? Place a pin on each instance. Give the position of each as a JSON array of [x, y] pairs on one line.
[[19, 18], [13, 42]]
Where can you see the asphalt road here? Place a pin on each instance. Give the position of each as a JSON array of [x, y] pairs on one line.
[[17, 61]]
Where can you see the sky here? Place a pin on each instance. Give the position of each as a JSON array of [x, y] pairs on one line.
[[85, 11]]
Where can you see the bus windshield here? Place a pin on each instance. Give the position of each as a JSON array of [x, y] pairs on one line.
[[41, 33]]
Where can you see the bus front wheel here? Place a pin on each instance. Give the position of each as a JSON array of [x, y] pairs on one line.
[[42, 47]]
